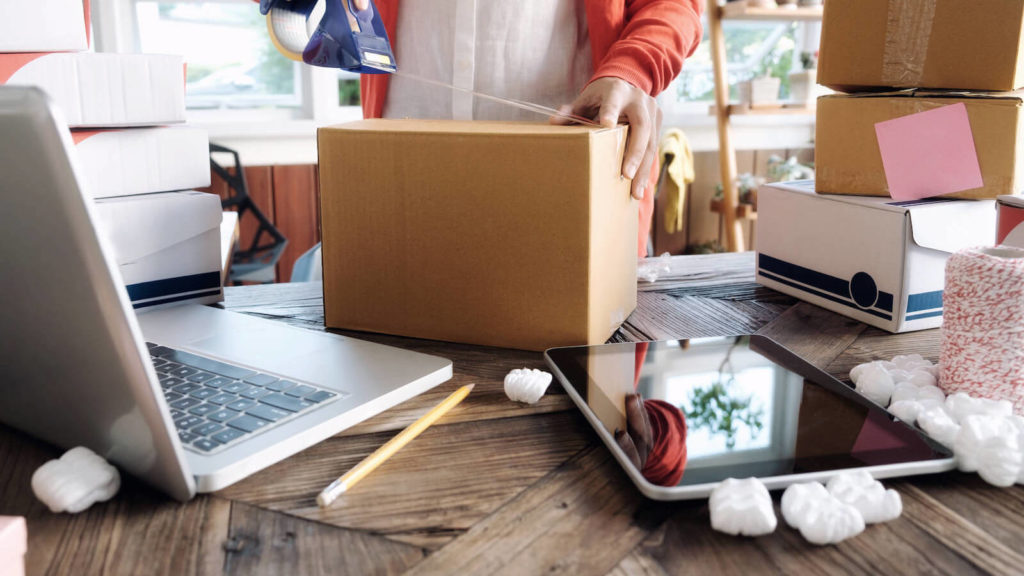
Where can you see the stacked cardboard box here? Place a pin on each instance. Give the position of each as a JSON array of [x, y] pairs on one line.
[[931, 115], [944, 74], [135, 157]]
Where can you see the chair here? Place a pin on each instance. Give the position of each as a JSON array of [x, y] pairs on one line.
[[257, 262], [309, 266]]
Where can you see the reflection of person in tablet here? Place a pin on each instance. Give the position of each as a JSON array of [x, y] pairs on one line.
[[655, 435]]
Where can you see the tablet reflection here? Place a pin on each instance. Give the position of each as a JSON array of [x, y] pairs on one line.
[[655, 439]]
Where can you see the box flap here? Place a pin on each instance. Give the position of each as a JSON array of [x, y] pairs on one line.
[[867, 202], [1016, 96], [951, 225], [465, 128], [138, 226], [1017, 201]]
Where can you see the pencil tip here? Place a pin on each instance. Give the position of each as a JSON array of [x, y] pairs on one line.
[[471, 386]]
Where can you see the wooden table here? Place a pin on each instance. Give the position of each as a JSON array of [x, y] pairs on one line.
[[498, 488]]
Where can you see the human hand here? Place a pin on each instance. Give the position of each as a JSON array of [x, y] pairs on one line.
[[609, 100], [637, 442], [361, 4]]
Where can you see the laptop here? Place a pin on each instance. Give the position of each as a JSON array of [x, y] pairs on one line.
[[190, 398]]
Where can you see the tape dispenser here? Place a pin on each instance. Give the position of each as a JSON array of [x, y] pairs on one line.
[[330, 33]]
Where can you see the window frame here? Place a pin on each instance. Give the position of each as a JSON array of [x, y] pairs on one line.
[[115, 26]]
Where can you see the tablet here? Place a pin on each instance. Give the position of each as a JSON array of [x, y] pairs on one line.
[[733, 407]]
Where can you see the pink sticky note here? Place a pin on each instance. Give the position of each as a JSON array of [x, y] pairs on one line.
[[929, 153]]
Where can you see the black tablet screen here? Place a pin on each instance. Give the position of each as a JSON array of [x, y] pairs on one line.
[[719, 408]]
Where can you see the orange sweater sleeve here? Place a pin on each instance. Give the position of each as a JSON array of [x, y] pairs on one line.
[[656, 37]]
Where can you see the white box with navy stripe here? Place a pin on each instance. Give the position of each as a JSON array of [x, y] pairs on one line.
[[874, 259]]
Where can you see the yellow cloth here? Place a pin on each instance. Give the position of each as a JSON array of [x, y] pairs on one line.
[[675, 153]]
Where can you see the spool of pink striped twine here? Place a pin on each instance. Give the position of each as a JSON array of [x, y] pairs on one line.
[[983, 324]]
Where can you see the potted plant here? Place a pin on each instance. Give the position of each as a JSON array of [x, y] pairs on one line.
[[802, 83]]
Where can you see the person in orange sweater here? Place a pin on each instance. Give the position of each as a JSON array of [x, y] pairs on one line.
[[601, 59]]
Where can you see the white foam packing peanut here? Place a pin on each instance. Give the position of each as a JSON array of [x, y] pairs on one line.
[[76, 481], [910, 400], [990, 446], [742, 507], [860, 490], [961, 405], [820, 517], [937, 423], [874, 382], [1018, 423], [526, 385]]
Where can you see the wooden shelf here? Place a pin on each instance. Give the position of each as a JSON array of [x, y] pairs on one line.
[[743, 211], [784, 110], [740, 11]]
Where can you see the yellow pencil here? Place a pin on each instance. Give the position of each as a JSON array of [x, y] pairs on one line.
[[370, 463]]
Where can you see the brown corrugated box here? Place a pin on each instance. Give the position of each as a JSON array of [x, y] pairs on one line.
[[958, 44], [848, 160], [504, 234]]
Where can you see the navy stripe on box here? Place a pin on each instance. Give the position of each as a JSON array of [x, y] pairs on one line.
[[924, 301], [932, 314], [826, 296], [830, 284], [176, 299], [173, 286], [816, 279]]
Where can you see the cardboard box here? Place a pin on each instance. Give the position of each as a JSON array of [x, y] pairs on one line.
[[45, 26], [143, 160], [957, 44], [504, 234], [104, 90], [13, 545], [874, 260], [848, 159], [1010, 221], [166, 245]]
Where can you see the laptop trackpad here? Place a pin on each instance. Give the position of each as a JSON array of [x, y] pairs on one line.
[[294, 353]]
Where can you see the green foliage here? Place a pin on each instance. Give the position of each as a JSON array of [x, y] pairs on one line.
[[348, 92], [709, 247], [714, 407]]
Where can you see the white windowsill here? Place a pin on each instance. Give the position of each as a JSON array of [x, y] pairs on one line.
[[294, 141]]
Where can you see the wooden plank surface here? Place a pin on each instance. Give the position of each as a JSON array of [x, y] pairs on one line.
[[501, 488]]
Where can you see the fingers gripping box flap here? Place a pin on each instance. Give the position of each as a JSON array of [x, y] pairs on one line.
[[875, 260], [143, 160], [167, 246], [98, 90], [1011, 221], [44, 26]]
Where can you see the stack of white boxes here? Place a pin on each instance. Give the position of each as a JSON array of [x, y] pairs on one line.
[[136, 159]]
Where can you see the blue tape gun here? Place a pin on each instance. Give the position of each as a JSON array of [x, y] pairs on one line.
[[330, 33]]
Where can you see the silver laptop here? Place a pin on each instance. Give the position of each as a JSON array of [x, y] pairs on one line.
[[189, 399]]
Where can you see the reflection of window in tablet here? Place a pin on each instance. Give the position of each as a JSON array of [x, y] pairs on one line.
[[734, 410]]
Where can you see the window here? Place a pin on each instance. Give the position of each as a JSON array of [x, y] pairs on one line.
[[752, 48], [236, 81], [231, 62]]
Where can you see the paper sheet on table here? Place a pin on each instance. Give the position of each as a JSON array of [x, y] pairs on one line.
[[929, 153]]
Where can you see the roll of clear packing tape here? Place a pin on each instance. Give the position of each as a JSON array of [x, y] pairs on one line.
[[983, 324]]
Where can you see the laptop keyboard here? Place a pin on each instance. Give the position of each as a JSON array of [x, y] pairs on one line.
[[215, 404]]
